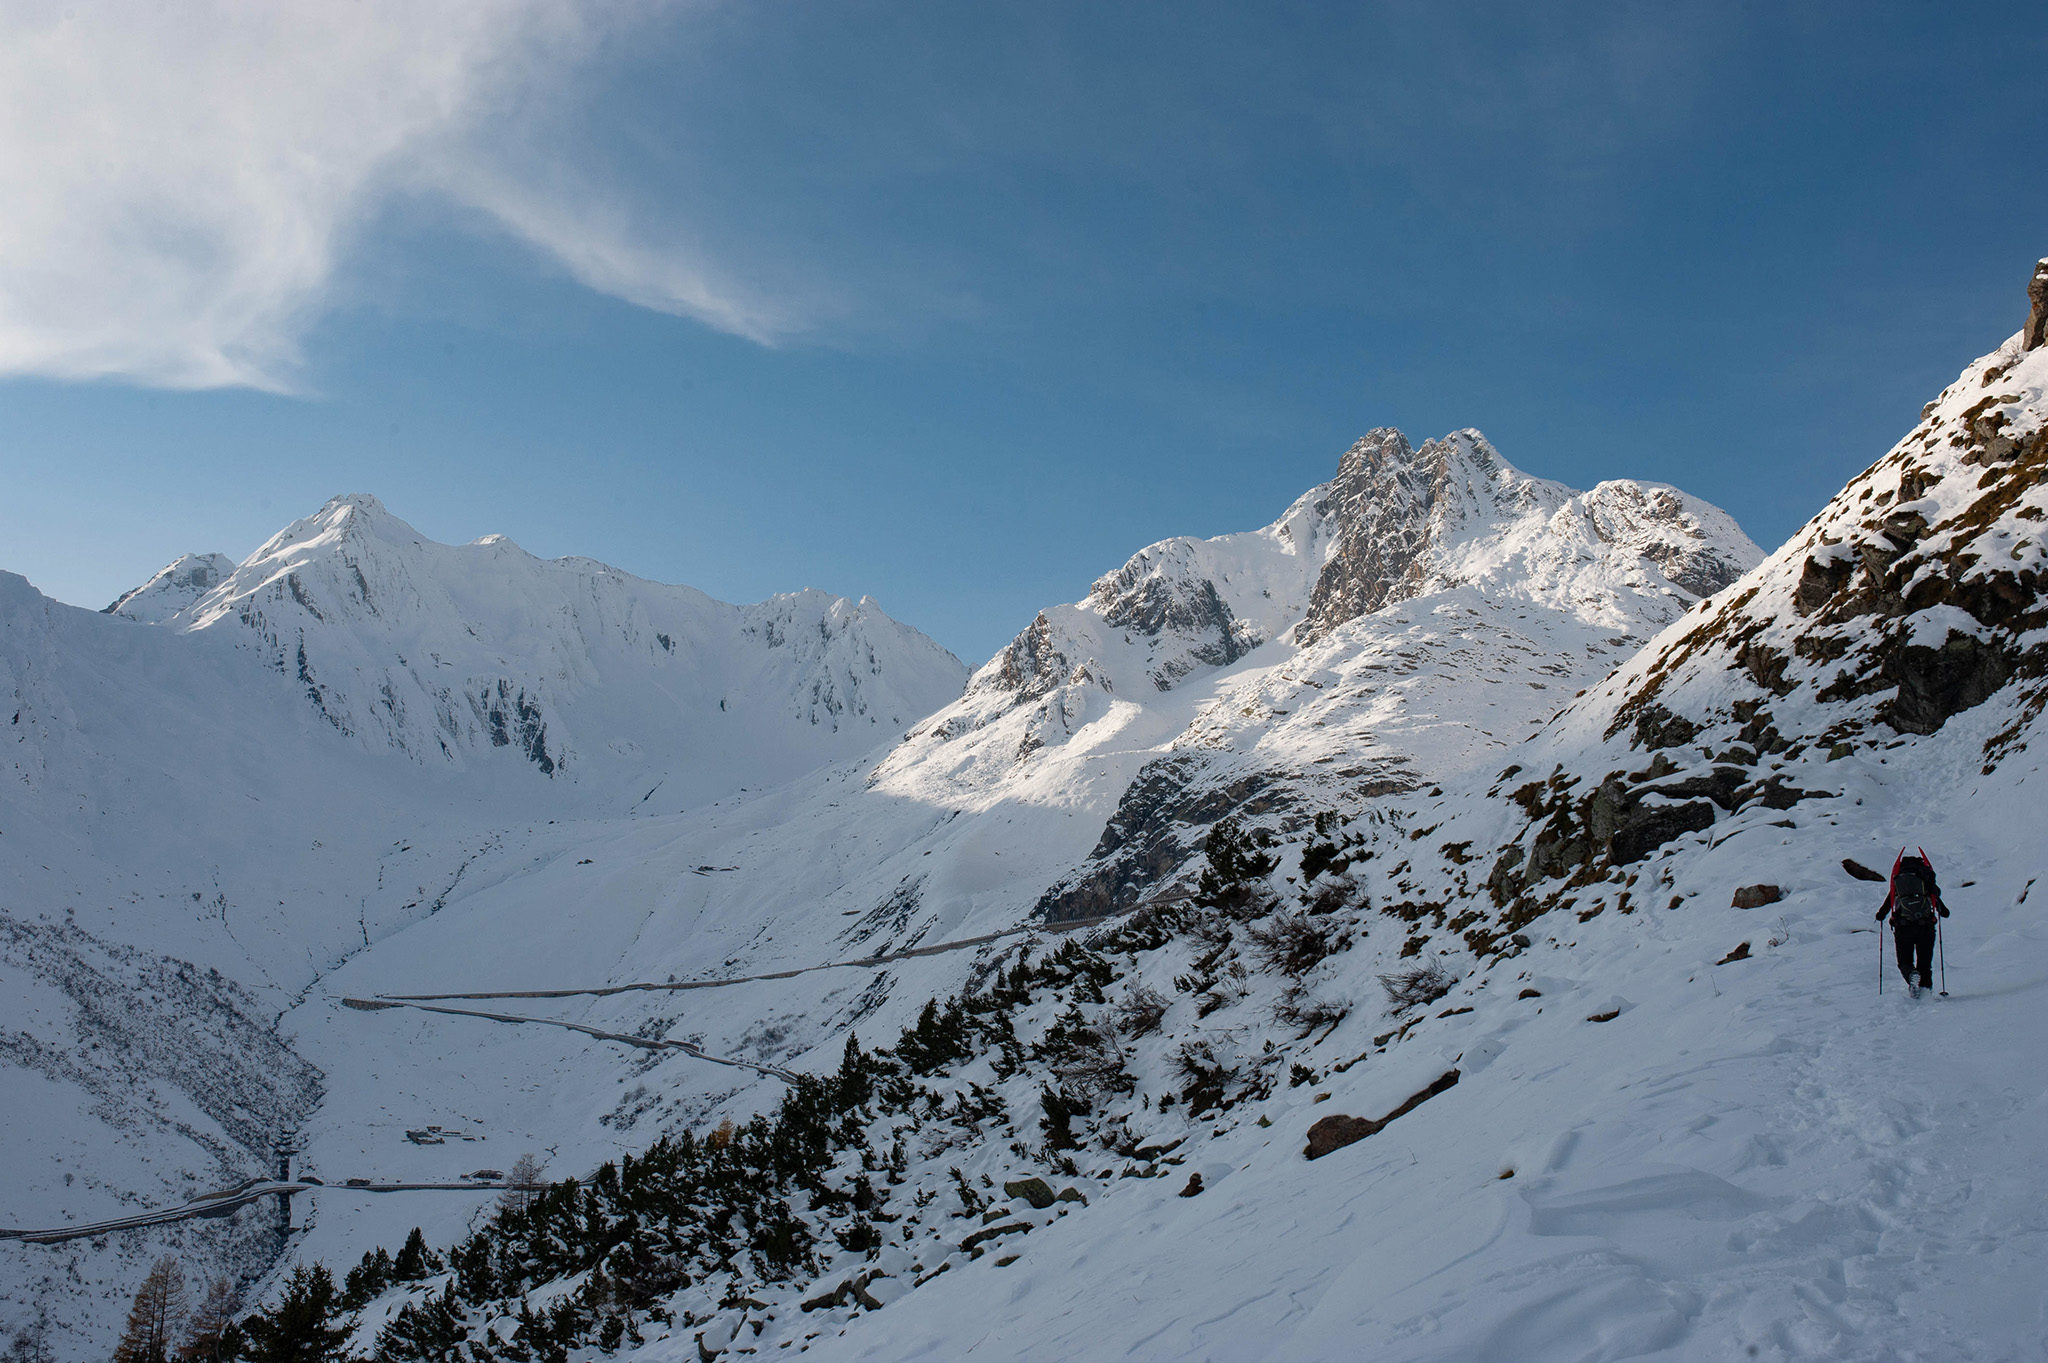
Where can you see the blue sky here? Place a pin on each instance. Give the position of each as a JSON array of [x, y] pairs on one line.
[[959, 305]]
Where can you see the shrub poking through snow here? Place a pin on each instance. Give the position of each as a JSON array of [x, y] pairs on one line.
[[1207, 1077], [1058, 1122], [1139, 1012], [1295, 943], [1416, 986], [1328, 850], [1307, 1012]]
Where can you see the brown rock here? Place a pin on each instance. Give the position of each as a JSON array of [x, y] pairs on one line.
[[1035, 1191], [1740, 953], [1860, 871], [1336, 1131], [1756, 896], [1194, 1188]]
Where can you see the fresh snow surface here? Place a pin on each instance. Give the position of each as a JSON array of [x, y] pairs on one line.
[[1763, 1159]]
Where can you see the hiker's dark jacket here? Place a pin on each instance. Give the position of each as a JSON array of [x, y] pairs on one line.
[[1912, 866]]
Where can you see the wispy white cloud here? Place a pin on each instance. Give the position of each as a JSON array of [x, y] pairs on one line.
[[179, 183]]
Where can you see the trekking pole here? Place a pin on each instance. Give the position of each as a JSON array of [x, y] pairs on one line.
[[1880, 962], [1942, 943]]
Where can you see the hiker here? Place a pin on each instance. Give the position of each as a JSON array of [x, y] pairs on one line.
[[1914, 902]]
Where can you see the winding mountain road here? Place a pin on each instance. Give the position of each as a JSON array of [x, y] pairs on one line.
[[644, 1043], [863, 962], [230, 1200]]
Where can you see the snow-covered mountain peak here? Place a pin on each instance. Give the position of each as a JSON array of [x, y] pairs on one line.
[[449, 652], [1411, 520], [173, 588], [1398, 521]]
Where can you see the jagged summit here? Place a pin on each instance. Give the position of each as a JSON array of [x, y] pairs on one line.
[[1396, 522], [1410, 520]]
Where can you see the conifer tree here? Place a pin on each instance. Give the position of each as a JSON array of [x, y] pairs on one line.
[[154, 1319], [307, 1326], [415, 1261], [429, 1331]]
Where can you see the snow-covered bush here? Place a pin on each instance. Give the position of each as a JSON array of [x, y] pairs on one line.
[[1416, 986]]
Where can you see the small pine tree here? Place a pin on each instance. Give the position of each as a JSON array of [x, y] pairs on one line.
[[856, 1074], [366, 1280], [1058, 1122], [1238, 861], [415, 1261], [154, 1319], [474, 1276], [1325, 850], [307, 1326]]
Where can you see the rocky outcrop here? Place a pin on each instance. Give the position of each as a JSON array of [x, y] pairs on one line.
[[2035, 333], [1382, 496], [1034, 1190], [1158, 826], [1406, 521], [1920, 592], [1337, 1130]]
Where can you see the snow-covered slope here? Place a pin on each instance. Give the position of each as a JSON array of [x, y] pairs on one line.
[[1684, 1125], [208, 804], [1018, 803], [448, 652]]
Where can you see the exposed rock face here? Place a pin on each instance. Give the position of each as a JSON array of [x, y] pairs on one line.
[[2035, 333], [1159, 823], [1382, 496], [1919, 592], [1756, 896], [1140, 598], [1410, 520], [1935, 683]]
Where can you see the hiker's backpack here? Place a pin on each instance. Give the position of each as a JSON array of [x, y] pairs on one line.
[[1912, 897]]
